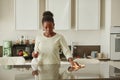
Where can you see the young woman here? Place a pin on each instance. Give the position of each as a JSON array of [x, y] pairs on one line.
[[48, 44]]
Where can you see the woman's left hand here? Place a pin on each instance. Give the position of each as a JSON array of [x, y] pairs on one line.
[[75, 65], [71, 62]]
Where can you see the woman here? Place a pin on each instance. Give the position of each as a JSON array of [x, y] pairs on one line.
[[48, 44]]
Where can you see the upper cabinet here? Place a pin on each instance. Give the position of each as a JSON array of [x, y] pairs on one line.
[[115, 12], [88, 14], [62, 13], [27, 14]]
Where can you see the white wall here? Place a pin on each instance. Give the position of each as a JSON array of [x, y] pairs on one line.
[[105, 29], [8, 32], [98, 37]]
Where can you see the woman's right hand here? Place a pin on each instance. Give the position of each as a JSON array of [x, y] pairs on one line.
[[35, 54]]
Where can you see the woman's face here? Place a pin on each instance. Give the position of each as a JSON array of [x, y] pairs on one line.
[[48, 27]]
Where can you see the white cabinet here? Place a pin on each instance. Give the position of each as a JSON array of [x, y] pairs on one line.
[[87, 14], [115, 12], [62, 13], [27, 14]]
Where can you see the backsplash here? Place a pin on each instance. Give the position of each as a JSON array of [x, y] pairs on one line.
[[79, 51]]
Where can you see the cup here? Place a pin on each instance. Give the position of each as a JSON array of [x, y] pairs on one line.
[[94, 54]]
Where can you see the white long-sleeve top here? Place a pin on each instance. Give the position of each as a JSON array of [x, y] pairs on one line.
[[48, 48]]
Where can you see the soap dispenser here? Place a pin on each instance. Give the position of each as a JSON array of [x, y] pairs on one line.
[[84, 56]]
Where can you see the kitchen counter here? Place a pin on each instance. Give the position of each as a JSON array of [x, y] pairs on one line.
[[115, 64], [92, 71]]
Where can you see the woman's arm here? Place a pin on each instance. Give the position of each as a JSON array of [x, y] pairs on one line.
[[36, 49], [67, 52], [65, 49], [71, 61]]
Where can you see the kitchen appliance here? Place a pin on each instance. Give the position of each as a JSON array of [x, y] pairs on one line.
[[115, 46], [7, 48]]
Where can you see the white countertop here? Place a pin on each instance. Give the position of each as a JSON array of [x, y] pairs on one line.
[[22, 61], [94, 68], [115, 64]]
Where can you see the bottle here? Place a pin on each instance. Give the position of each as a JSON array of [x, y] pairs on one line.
[[84, 56], [26, 40], [22, 40]]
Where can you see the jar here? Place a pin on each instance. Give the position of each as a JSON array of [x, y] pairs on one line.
[[99, 55], [27, 42]]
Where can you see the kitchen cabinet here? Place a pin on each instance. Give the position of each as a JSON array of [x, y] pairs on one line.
[[115, 12], [87, 14], [62, 13], [27, 14]]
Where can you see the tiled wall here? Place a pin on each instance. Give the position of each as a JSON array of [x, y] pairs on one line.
[[81, 50], [78, 50]]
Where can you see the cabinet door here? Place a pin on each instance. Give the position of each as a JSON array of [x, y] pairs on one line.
[[27, 14], [115, 12], [87, 14], [62, 13]]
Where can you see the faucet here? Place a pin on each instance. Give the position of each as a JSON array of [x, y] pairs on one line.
[[73, 46]]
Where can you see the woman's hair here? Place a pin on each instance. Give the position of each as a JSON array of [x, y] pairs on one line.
[[47, 16]]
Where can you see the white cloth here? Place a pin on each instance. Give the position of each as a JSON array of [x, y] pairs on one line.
[[48, 48]]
